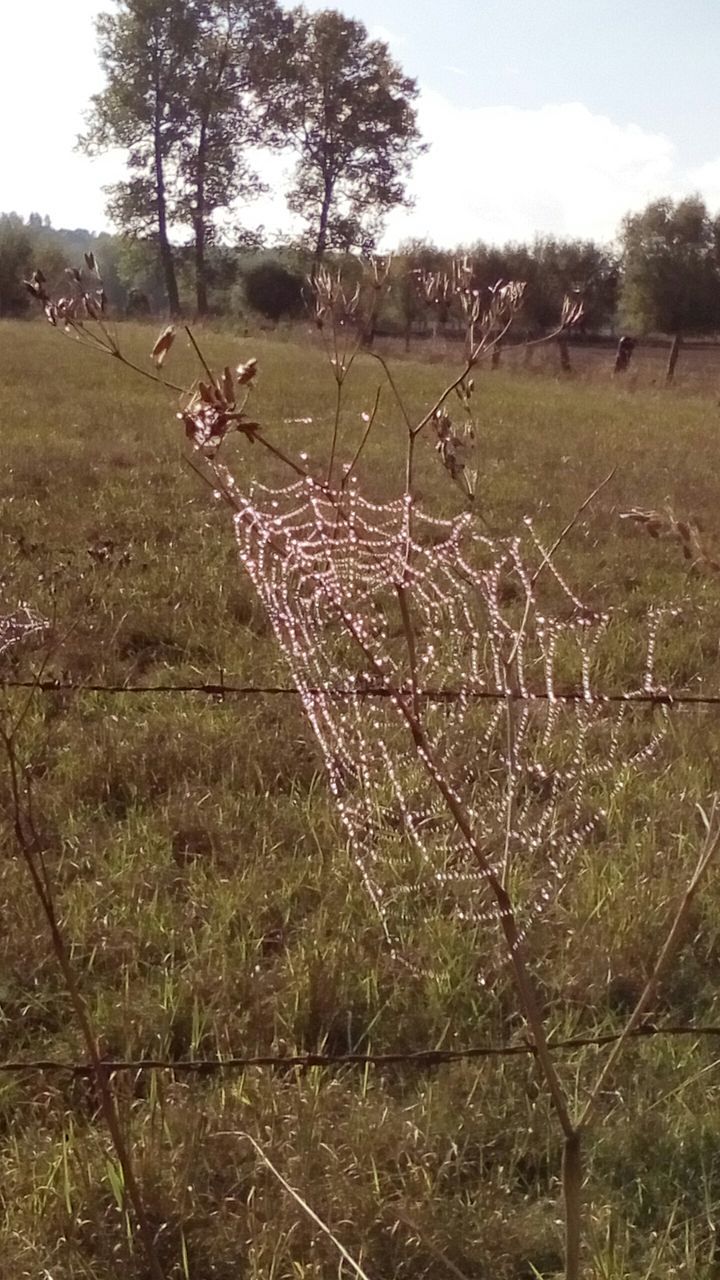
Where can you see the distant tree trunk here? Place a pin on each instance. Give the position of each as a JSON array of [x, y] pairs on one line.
[[564, 354], [496, 356], [166, 256], [673, 359], [322, 235], [201, 289]]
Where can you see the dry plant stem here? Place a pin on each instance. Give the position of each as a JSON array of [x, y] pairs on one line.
[[668, 953], [136, 368], [363, 442], [548, 555], [547, 559], [510, 803], [486, 346], [502, 898], [31, 850], [572, 1168], [410, 644], [87, 339], [482, 349], [336, 426], [342, 362], [282, 457], [200, 356], [299, 1200], [430, 1245], [393, 387]]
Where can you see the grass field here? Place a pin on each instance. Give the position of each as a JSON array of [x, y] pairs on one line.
[[212, 905]]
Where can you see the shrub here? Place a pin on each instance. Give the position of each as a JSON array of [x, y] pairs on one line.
[[273, 290]]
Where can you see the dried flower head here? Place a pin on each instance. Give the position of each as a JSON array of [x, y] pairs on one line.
[[162, 346], [211, 411], [688, 534]]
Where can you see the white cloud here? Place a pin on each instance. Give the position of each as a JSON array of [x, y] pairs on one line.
[[706, 179], [393, 39], [49, 73], [507, 173]]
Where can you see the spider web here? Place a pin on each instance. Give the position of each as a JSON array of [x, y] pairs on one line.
[[20, 625], [360, 595]]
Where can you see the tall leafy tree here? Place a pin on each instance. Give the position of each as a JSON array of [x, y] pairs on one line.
[[222, 118], [671, 268], [344, 105], [146, 51]]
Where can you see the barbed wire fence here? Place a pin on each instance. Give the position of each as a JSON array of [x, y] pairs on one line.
[[221, 689], [418, 1059], [422, 1059]]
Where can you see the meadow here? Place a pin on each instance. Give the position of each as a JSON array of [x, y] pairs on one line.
[[210, 900]]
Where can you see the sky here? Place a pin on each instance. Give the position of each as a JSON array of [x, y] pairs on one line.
[[542, 116]]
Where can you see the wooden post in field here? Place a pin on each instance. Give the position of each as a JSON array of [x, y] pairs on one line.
[[495, 357], [564, 354], [673, 359], [623, 355]]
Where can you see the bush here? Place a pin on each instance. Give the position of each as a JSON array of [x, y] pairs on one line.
[[16, 255], [273, 290]]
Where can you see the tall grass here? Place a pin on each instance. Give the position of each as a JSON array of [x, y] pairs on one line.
[[204, 884]]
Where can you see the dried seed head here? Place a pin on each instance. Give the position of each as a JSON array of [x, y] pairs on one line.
[[246, 372], [208, 394], [36, 286], [163, 345]]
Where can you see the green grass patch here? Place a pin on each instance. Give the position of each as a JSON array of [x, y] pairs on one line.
[[213, 906]]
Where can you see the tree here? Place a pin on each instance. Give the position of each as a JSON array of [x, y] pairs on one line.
[[671, 268], [179, 100], [552, 269], [146, 51], [412, 260], [273, 290], [341, 101], [222, 119]]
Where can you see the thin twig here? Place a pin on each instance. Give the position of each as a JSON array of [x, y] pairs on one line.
[[299, 1200], [30, 847], [548, 555], [363, 442], [667, 955], [200, 355]]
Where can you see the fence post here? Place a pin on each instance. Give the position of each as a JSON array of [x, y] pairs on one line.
[[623, 355], [564, 354], [673, 359]]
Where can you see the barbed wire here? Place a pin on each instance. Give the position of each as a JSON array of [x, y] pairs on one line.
[[220, 690], [304, 1061]]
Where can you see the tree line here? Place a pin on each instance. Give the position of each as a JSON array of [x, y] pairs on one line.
[[194, 88], [663, 275]]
